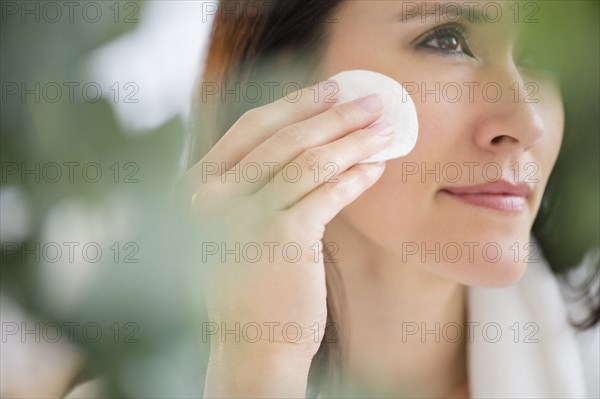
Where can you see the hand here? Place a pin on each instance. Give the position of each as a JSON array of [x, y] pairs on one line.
[[296, 168]]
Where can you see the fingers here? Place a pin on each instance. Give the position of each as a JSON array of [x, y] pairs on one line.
[[291, 141], [257, 124], [319, 164], [323, 204]]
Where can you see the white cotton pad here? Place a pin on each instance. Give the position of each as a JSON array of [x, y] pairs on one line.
[[399, 108]]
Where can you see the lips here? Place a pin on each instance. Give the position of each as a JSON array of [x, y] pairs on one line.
[[500, 195]]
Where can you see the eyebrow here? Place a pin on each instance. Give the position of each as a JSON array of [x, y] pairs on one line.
[[449, 12]]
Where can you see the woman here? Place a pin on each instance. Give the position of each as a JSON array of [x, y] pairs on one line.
[[405, 244]]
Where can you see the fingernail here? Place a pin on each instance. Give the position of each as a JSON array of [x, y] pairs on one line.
[[371, 104], [382, 128]]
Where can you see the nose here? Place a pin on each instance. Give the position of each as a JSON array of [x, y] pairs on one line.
[[511, 120]]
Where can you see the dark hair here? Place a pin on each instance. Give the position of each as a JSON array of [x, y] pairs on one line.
[[288, 33]]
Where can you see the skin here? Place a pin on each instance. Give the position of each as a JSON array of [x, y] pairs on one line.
[[382, 289], [372, 210]]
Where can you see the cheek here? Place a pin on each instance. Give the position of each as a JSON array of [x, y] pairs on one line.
[[401, 209], [399, 205], [403, 203]]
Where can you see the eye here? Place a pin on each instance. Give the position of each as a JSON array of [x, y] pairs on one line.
[[448, 39]]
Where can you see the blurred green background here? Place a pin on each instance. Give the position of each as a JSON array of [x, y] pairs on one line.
[[93, 183]]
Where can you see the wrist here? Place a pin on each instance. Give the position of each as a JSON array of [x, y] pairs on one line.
[[244, 370]]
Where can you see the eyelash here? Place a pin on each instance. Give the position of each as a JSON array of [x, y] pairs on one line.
[[441, 31]]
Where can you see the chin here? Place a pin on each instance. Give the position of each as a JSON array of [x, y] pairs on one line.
[[497, 275], [481, 273], [489, 260]]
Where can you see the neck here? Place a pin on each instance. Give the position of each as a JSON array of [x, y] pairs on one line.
[[403, 320]]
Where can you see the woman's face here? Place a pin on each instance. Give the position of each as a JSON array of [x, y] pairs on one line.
[[483, 117]]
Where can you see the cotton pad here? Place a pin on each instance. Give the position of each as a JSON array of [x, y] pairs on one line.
[[399, 108]]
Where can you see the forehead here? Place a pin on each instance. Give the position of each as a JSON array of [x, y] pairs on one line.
[[439, 11]]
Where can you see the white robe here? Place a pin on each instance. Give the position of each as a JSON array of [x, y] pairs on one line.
[[545, 359]]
